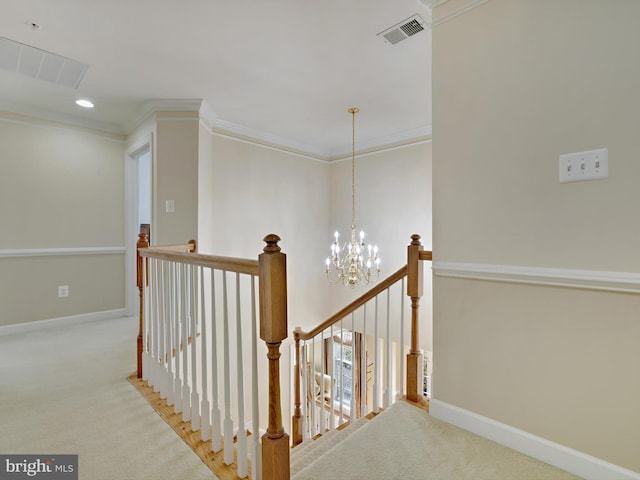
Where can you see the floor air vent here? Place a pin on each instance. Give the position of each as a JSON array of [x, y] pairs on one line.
[[403, 30], [34, 62]]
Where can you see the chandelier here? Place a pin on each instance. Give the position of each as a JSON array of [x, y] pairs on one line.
[[353, 262]]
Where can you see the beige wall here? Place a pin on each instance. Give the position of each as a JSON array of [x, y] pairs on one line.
[[176, 177], [60, 188], [257, 190], [516, 84]]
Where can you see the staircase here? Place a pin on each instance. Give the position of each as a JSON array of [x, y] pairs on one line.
[[305, 454], [198, 349]]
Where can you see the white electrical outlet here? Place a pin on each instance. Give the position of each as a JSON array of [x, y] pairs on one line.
[[581, 166], [63, 291]]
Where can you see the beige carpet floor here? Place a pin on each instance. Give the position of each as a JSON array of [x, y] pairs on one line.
[[404, 442], [65, 390]]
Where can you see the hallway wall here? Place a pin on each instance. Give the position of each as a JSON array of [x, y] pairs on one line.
[[515, 85], [62, 192]]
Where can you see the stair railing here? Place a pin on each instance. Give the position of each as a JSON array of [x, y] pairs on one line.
[[193, 347], [321, 389]]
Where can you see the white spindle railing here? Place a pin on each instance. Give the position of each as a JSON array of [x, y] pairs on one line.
[[378, 323], [190, 345]]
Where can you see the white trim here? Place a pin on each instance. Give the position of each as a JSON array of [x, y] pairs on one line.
[[573, 461], [589, 279], [269, 138], [251, 141], [455, 13], [177, 119], [161, 105], [382, 149], [132, 228], [382, 143], [27, 327], [47, 252], [32, 120], [60, 117]]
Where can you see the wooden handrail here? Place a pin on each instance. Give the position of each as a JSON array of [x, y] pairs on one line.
[[426, 255], [414, 273], [229, 264], [353, 306], [192, 246]]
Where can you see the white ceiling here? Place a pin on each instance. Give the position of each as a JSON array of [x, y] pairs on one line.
[[283, 70]]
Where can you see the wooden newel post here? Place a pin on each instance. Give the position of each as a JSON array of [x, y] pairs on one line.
[[273, 330], [142, 243], [414, 291], [297, 413]]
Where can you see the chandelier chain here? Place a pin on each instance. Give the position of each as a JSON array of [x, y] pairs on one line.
[[353, 165]]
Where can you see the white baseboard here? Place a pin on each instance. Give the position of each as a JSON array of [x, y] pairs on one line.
[[573, 461], [58, 322]]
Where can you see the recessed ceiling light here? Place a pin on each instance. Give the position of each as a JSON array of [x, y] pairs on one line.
[[84, 103]]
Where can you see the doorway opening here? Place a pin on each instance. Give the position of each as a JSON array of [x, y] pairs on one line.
[[139, 170]]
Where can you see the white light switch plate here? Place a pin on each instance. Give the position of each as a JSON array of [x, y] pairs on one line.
[[170, 206], [581, 166]]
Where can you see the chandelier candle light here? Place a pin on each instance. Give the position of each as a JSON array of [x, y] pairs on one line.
[[354, 262]]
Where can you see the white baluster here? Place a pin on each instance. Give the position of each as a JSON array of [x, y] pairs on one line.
[[228, 422], [205, 432], [352, 406], [195, 396], [388, 401], [159, 328], [184, 317], [330, 366], [314, 425], [323, 356], [177, 375], [341, 404], [216, 416], [306, 423], [256, 449], [242, 431], [145, 323], [169, 337], [164, 358], [376, 360], [153, 298], [168, 306], [363, 365]]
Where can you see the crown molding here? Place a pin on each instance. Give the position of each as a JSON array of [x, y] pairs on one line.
[[382, 143], [227, 128], [270, 139], [464, 7], [58, 117], [162, 105]]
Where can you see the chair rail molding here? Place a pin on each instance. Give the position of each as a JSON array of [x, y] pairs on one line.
[[587, 279], [44, 252]]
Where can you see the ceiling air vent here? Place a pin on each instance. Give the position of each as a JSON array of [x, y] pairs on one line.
[[20, 58], [403, 30]]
